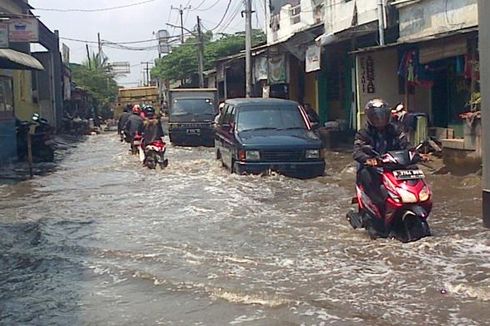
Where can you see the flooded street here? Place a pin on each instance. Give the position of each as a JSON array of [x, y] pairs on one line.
[[102, 241]]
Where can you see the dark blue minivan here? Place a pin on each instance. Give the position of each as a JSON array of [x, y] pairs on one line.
[[256, 135]]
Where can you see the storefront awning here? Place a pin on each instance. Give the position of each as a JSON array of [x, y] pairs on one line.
[[421, 40], [11, 59]]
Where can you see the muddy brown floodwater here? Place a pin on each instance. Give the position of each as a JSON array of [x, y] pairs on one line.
[[101, 241]]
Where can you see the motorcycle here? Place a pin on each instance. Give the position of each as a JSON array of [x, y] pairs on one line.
[[408, 200], [155, 155], [43, 146], [136, 144]]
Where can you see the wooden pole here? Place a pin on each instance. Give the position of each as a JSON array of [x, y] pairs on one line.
[[29, 153]]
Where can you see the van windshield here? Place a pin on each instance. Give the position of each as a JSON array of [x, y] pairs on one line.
[[286, 117], [193, 106]]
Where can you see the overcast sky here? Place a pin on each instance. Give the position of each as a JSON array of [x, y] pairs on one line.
[[135, 23]]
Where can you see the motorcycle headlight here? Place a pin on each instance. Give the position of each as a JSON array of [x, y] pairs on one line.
[[252, 155], [406, 196], [424, 194], [312, 153]]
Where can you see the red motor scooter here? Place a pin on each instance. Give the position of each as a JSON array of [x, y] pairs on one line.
[[155, 155], [408, 200]]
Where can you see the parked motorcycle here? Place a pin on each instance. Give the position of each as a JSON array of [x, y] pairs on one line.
[[155, 155], [408, 200], [43, 146]]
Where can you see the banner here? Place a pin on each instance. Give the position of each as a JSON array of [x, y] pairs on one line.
[[313, 58], [23, 30], [277, 70], [260, 68]]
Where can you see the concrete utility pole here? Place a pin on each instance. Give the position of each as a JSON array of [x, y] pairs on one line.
[[381, 22], [147, 73], [248, 48], [88, 57], [200, 53], [99, 43], [181, 13], [484, 39]]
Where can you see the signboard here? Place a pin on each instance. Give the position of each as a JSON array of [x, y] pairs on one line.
[[163, 37], [277, 70], [65, 53], [120, 68], [4, 35], [23, 30], [313, 58], [260, 68]]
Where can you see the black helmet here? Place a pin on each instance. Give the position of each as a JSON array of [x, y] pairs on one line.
[[149, 111], [378, 113]]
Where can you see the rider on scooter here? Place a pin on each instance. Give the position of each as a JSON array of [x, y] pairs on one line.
[[378, 136], [134, 125], [152, 127]]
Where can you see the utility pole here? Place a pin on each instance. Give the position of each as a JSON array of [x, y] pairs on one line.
[[181, 13], [381, 22], [88, 57], [248, 48], [146, 73], [200, 53], [484, 39], [99, 43]]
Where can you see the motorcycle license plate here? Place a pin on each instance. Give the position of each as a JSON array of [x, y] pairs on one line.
[[194, 131], [409, 174]]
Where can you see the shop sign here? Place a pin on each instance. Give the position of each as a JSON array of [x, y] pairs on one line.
[[260, 68], [277, 70], [24, 30], [4, 35], [313, 58], [368, 74]]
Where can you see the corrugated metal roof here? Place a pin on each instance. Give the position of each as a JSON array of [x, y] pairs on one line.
[[11, 59]]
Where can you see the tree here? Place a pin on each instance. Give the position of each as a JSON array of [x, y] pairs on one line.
[[95, 76], [181, 64]]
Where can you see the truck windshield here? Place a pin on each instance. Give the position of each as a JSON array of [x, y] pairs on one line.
[[287, 117], [193, 106]]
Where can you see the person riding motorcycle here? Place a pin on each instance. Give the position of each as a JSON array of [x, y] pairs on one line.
[[123, 119], [378, 136], [152, 127], [134, 125]]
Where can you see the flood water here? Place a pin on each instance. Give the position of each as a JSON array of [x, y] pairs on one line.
[[102, 241]]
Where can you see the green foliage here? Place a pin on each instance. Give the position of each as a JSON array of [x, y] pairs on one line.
[[94, 76], [181, 64]]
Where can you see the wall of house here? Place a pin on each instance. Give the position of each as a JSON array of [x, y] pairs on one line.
[[340, 14], [377, 78], [429, 17], [282, 23]]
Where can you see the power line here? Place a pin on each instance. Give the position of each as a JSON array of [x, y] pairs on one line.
[[98, 9], [206, 9], [222, 18]]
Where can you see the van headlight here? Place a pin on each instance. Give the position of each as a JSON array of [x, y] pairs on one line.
[[252, 155], [312, 153]]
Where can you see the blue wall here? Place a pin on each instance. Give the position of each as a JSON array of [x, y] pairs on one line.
[[8, 141]]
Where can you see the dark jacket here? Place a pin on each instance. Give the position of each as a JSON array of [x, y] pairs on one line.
[[134, 125], [152, 131], [369, 138], [122, 121]]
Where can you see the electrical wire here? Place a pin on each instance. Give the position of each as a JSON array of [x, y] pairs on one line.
[[97, 9], [222, 18], [208, 8]]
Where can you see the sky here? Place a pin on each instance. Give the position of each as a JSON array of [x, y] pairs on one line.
[[137, 22]]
